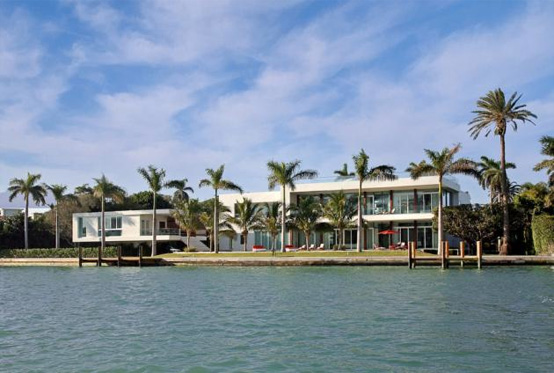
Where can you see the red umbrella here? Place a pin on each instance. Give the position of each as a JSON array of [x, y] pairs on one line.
[[389, 231]]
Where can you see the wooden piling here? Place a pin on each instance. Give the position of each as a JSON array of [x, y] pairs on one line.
[[447, 253], [80, 256], [410, 260], [119, 256], [462, 252], [140, 256], [479, 253], [414, 251], [443, 256]]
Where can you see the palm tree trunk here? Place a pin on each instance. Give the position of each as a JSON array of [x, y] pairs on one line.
[[102, 235], [307, 234], [26, 223], [274, 244], [57, 229], [283, 218], [341, 235], [188, 240], [359, 233], [216, 223], [245, 239], [154, 227], [506, 226], [440, 217]]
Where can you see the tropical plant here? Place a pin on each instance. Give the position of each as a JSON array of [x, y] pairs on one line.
[[28, 187], [270, 221], [494, 114], [216, 181], [343, 172], [286, 174], [155, 179], [364, 173], [181, 189], [339, 210], [102, 190], [547, 143], [82, 189], [490, 177], [58, 192], [187, 215], [442, 163], [305, 215], [247, 217]]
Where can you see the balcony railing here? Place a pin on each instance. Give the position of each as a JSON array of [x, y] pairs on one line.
[[161, 232]]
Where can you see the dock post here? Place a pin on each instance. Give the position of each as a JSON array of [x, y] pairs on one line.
[[414, 248], [80, 256], [479, 253], [140, 256], [410, 245], [447, 253], [462, 252], [443, 257], [118, 256]]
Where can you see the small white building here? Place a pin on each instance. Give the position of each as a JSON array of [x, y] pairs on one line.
[[10, 211]]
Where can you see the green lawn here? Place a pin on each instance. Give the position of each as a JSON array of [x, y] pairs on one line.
[[305, 254]]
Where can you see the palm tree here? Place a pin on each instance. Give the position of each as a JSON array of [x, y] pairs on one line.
[[206, 217], [305, 215], [270, 221], [286, 174], [187, 216], [217, 182], [493, 114], [490, 176], [102, 190], [364, 173], [82, 189], [339, 210], [28, 188], [58, 192], [343, 172], [442, 163], [247, 217], [547, 143], [181, 189], [155, 180]]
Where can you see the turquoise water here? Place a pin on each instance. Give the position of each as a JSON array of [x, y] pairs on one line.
[[276, 319]]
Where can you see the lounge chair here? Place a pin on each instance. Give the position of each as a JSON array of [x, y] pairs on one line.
[[258, 248], [321, 247], [303, 247], [312, 247], [290, 248], [174, 250]]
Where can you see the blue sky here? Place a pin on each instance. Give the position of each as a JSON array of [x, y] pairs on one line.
[[92, 87]]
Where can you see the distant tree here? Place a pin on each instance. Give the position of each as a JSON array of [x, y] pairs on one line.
[[103, 189], [364, 173], [270, 221], [187, 215], [181, 189], [343, 172], [442, 163], [286, 174], [216, 181], [28, 188], [305, 215], [339, 210], [247, 218], [154, 177], [490, 177], [494, 114], [547, 143], [58, 192], [145, 201], [206, 217]]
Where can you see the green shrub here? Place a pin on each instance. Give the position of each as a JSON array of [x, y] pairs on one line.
[[72, 252], [543, 233]]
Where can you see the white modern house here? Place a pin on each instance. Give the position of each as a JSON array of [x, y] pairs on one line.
[[404, 206], [11, 211]]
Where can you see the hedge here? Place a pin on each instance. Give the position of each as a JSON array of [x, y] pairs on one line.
[[543, 234], [72, 252]]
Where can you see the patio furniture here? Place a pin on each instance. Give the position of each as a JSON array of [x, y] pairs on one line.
[[258, 248], [290, 248], [321, 247], [312, 247]]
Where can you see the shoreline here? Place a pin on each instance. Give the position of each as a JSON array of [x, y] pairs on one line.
[[384, 261]]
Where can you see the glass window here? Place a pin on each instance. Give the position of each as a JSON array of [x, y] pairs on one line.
[[403, 202], [381, 203], [427, 201]]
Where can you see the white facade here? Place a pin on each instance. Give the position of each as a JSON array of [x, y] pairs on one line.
[[7, 212]]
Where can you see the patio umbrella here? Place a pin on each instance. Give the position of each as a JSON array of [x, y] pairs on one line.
[[388, 231]]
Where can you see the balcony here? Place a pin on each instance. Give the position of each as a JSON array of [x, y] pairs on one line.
[[161, 232]]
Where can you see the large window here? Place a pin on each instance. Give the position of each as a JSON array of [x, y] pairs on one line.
[[112, 225], [403, 202], [426, 237], [381, 203], [82, 229], [427, 201]]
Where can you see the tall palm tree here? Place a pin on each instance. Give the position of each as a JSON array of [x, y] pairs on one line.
[[181, 189], [187, 216], [442, 163], [217, 182], [339, 210], [490, 176], [206, 217], [305, 215], [364, 173], [247, 217], [82, 189], [343, 172], [28, 188], [270, 221], [547, 143], [286, 174], [103, 189], [58, 192], [155, 179], [494, 114]]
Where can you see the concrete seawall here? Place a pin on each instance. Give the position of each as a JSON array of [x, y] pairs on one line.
[[285, 261]]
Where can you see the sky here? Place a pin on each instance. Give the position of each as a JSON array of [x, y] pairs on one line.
[[92, 87]]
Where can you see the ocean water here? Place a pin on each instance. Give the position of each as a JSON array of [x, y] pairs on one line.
[[335, 319]]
